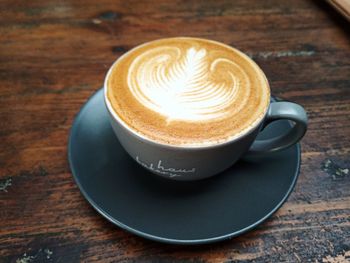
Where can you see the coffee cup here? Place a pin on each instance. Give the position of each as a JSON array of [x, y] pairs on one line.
[[189, 108]]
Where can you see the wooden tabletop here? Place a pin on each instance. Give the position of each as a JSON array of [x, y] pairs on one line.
[[54, 55]]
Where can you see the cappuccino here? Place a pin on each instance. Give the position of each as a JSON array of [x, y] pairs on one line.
[[187, 92]]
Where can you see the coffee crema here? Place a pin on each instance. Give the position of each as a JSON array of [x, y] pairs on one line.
[[187, 91]]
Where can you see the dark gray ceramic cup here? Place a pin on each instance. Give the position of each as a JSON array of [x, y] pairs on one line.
[[188, 163]]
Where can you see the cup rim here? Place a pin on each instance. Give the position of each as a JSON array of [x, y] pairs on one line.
[[116, 117]]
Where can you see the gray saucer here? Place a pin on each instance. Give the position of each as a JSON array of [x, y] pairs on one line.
[[206, 211]]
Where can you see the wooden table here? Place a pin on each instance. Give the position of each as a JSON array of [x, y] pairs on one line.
[[54, 55]]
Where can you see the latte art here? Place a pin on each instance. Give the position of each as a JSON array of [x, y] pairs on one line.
[[187, 92], [181, 85]]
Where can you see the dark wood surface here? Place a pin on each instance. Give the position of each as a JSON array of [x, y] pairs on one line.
[[54, 55]]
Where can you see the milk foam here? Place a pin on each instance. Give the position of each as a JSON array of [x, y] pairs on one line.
[[180, 83], [187, 92]]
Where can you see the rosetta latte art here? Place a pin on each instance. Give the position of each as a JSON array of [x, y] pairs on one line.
[[183, 84]]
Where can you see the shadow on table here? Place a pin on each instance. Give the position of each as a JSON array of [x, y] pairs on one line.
[[335, 16]]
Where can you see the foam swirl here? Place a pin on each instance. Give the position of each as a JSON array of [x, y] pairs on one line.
[[186, 84]]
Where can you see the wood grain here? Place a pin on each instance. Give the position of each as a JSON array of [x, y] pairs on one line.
[[54, 55]]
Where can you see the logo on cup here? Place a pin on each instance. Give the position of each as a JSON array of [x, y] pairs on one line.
[[158, 167]]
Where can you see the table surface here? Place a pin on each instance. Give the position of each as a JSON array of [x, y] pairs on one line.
[[54, 55]]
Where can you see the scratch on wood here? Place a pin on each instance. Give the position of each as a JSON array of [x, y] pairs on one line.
[[48, 253], [279, 54], [42, 255], [334, 170], [4, 184], [96, 21], [297, 257], [25, 259], [342, 258]]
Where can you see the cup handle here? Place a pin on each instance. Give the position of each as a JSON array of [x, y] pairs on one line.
[[282, 111]]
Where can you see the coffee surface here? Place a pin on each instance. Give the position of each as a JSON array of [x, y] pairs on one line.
[[187, 91]]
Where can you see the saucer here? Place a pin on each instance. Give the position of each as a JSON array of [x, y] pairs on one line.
[[197, 212]]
